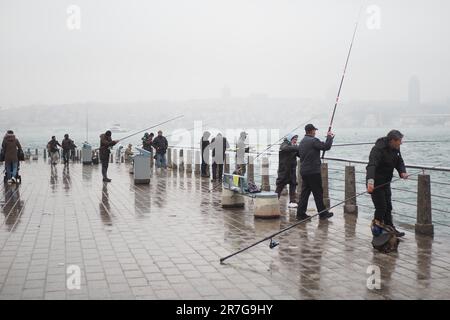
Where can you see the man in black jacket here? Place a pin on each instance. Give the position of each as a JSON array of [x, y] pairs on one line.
[[219, 145], [106, 143], [384, 158], [287, 168], [310, 170], [160, 144], [67, 145]]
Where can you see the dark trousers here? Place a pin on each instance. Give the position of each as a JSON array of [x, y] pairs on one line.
[[311, 183], [105, 164], [382, 200], [292, 187], [66, 156], [204, 168], [217, 170]]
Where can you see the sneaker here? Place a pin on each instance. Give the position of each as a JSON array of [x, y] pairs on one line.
[[106, 180], [9, 181], [13, 179], [304, 216], [326, 215], [292, 205]]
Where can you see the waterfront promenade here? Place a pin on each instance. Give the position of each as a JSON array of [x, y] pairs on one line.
[[164, 241]]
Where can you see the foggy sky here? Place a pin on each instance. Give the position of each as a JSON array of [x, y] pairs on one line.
[[181, 49]]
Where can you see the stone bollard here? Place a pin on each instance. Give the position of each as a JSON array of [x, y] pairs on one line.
[[251, 169], [169, 158], [350, 191], [265, 174], [189, 161], [181, 163], [424, 223], [326, 193], [232, 199], [45, 154], [267, 205], [227, 163], [175, 159], [198, 162]]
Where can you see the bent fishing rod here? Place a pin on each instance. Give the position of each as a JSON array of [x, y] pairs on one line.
[[371, 143], [153, 126], [273, 243], [343, 74]]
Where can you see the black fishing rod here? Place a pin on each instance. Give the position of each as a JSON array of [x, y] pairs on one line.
[[273, 243], [343, 75], [153, 126]]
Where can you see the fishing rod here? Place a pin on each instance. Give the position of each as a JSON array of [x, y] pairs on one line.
[[343, 74], [153, 126], [273, 243], [371, 143]]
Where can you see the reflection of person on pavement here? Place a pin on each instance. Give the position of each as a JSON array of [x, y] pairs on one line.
[[104, 206], [12, 207]]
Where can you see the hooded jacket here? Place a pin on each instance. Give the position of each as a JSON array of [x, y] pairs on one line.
[[382, 162], [10, 146], [105, 143], [309, 149], [287, 163]]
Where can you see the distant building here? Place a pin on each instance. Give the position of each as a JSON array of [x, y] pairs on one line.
[[414, 92]]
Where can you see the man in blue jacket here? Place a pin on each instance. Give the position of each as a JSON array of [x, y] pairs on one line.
[[310, 170]]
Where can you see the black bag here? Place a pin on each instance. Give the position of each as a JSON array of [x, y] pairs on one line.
[[387, 241], [2, 155], [20, 155]]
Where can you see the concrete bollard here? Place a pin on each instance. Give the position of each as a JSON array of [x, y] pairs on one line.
[[175, 159], [232, 199], [189, 161], [45, 154], [181, 163], [424, 223], [350, 191], [265, 174], [267, 205], [251, 169], [198, 162], [326, 193], [226, 166], [169, 158]]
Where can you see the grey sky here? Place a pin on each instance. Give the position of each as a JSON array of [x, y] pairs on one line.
[[180, 49]]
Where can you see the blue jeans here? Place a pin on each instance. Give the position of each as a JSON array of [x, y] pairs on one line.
[[11, 170], [161, 160]]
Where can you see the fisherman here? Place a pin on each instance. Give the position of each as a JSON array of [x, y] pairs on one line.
[[129, 153], [106, 143], [219, 146], [160, 144], [10, 148], [204, 143], [241, 150], [287, 167], [53, 151], [67, 145], [147, 142], [119, 153], [310, 170], [384, 157]]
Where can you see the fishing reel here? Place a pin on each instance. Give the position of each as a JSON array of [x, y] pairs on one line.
[[273, 244]]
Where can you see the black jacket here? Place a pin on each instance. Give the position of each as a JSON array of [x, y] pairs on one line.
[[309, 149], [160, 144], [105, 143], [382, 162], [287, 163]]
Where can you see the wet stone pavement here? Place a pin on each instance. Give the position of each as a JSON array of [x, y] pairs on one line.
[[164, 241]]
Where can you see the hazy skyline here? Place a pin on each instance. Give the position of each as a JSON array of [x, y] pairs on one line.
[[147, 50]]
